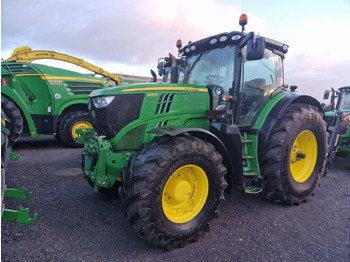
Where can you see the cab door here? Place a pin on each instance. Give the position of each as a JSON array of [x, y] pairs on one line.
[[260, 79]]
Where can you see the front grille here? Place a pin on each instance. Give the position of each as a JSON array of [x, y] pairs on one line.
[[83, 88], [124, 109]]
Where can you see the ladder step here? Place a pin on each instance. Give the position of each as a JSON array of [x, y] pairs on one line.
[[250, 173], [247, 141], [252, 190], [248, 157]]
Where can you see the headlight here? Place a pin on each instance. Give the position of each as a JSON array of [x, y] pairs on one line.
[[102, 101], [218, 91]]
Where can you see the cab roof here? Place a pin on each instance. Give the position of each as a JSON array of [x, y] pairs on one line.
[[225, 39]]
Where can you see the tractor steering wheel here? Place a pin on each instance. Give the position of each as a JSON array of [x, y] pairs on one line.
[[215, 79]]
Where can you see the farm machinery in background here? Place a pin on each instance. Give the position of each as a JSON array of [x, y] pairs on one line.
[[51, 102], [337, 115], [225, 121]]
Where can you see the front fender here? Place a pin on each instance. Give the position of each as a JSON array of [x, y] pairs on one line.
[[229, 134]]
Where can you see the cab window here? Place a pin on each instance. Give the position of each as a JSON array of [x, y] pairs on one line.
[[260, 79]]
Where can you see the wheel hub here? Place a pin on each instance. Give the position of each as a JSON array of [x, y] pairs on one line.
[[179, 189], [185, 193], [303, 156]]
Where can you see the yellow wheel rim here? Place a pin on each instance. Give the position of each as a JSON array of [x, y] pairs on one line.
[[185, 193], [303, 156], [80, 124]]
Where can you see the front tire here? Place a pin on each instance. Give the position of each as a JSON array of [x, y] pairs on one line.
[[172, 189], [295, 155], [69, 124]]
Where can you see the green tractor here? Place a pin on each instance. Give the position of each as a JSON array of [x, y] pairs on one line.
[[50, 102], [337, 115], [225, 121]]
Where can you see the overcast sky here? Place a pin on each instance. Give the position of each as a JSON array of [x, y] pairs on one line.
[[128, 36]]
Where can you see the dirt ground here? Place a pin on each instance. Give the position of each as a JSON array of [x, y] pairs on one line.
[[76, 224]]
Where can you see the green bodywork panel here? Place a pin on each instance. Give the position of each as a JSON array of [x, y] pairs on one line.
[[105, 159], [251, 145], [344, 142], [343, 106], [40, 90], [344, 139], [268, 107]]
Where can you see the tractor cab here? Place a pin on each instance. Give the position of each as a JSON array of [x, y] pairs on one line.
[[344, 99], [241, 71]]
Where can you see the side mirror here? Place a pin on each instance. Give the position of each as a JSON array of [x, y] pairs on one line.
[[255, 50], [326, 95]]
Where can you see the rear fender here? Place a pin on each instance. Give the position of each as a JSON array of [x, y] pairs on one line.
[[275, 114]]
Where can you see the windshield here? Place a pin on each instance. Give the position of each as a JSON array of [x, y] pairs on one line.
[[344, 101], [213, 67]]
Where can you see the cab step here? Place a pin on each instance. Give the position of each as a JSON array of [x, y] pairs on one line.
[[252, 190], [248, 157], [250, 173]]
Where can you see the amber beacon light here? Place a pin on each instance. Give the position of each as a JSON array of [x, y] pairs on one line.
[[243, 19]]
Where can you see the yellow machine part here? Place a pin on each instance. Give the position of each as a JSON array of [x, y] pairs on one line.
[[26, 55]]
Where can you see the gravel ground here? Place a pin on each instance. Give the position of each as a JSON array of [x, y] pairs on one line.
[[76, 224]]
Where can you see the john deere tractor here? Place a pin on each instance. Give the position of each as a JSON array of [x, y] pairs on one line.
[[226, 121], [337, 115], [47, 101]]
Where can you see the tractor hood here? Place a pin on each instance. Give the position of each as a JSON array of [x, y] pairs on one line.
[[148, 88], [147, 105]]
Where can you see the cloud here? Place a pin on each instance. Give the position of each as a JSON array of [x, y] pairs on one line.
[[131, 32], [313, 76], [129, 36]]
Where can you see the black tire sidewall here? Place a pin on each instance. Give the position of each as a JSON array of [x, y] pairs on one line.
[[144, 180], [278, 182], [190, 227], [66, 127], [313, 123], [304, 188]]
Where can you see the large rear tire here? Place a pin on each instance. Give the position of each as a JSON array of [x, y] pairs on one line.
[[171, 190], [12, 119], [69, 125], [295, 156]]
